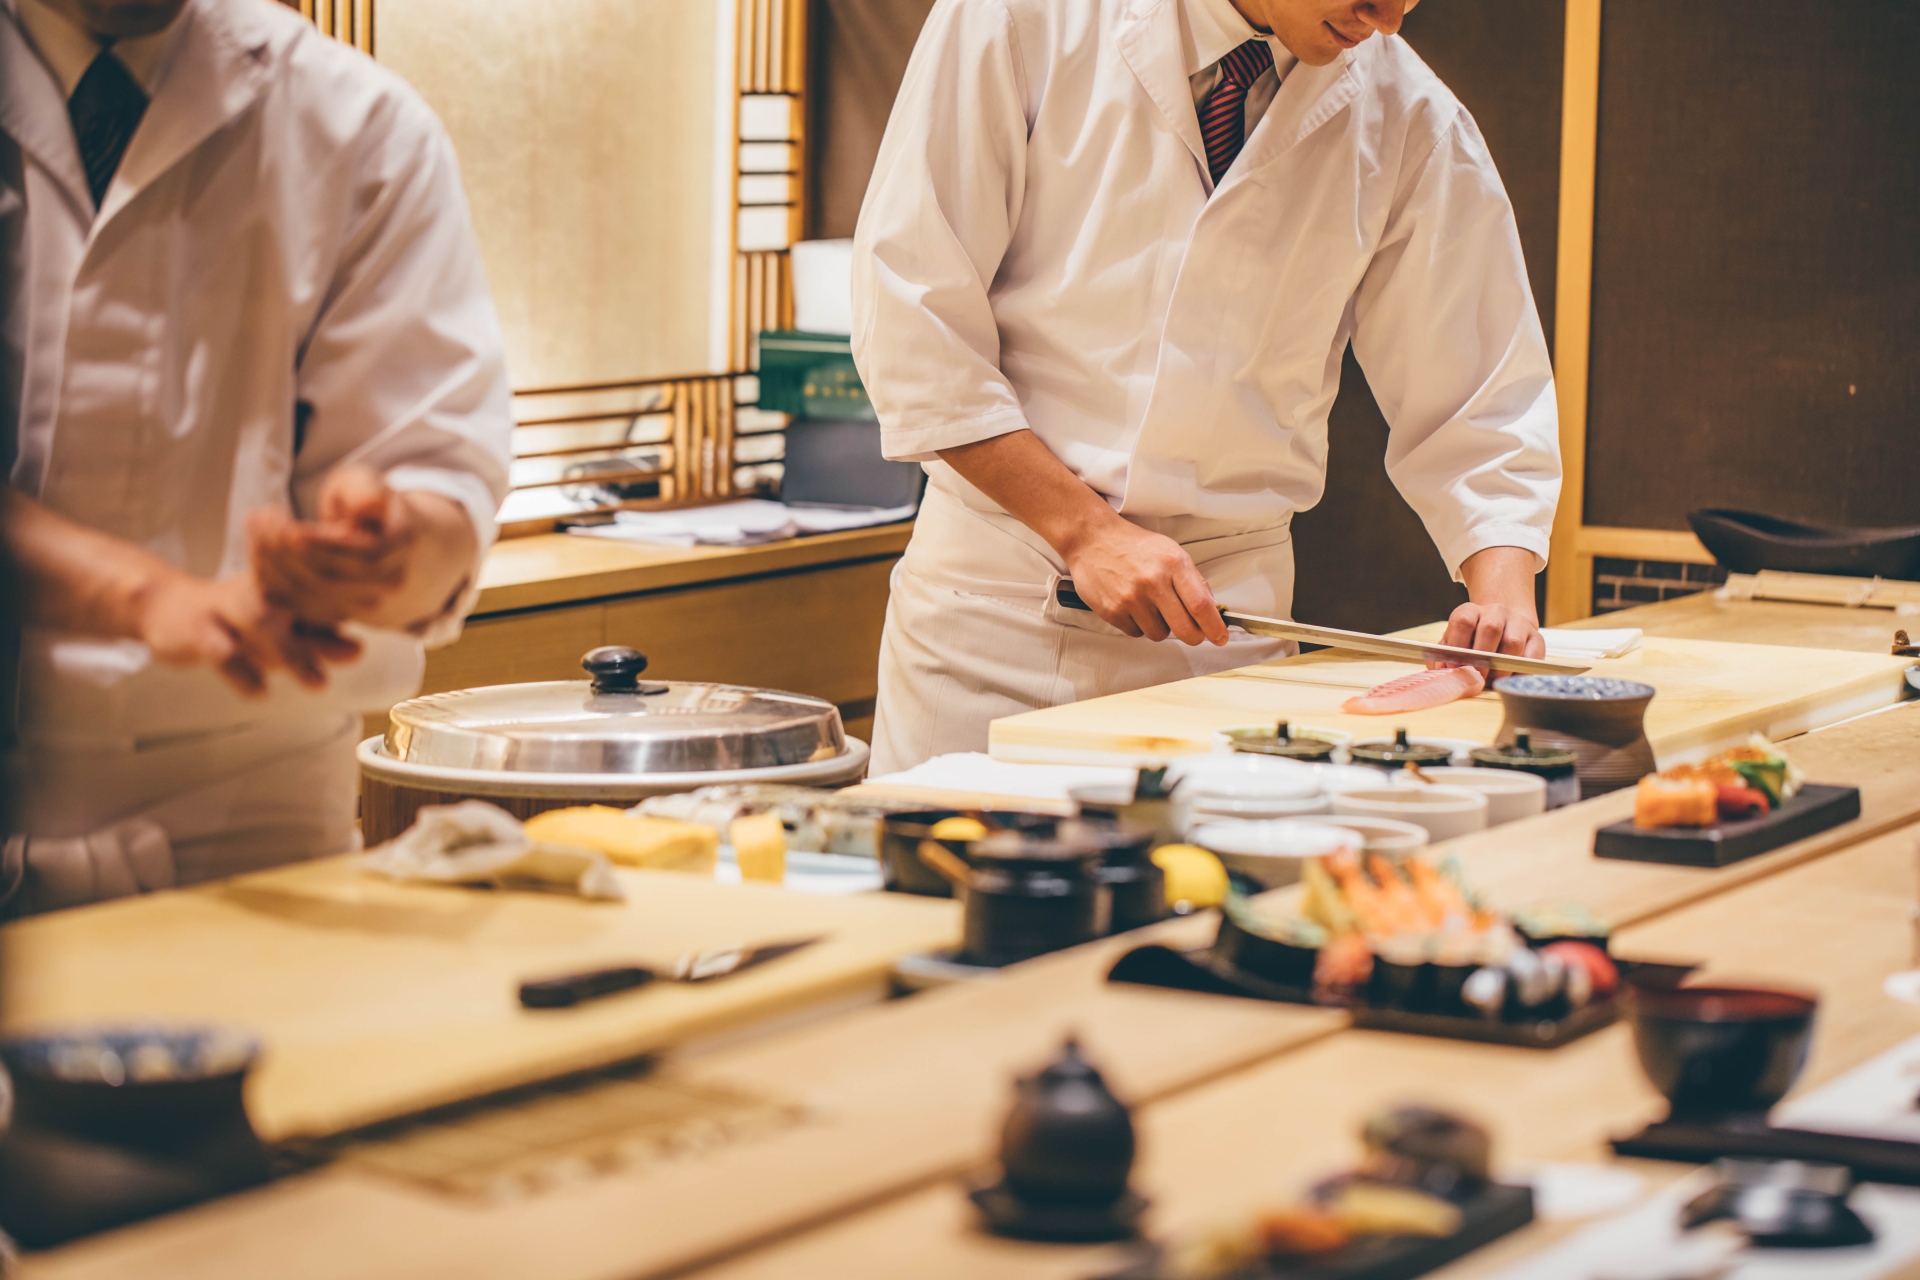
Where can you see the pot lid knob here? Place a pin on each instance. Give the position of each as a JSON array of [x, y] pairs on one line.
[[615, 668]]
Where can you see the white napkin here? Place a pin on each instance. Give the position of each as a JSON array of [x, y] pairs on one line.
[[1563, 642], [474, 842], [971, 771]]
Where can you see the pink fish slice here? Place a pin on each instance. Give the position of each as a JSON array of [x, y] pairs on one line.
[[1416, 692]]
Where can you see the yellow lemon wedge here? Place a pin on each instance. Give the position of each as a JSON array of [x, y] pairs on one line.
[[959, 828], [1194, 876]]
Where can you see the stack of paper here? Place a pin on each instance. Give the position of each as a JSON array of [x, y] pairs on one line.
[[738, 524]]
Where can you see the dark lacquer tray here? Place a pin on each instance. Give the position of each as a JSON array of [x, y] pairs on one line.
[[1199, 970], [1493, 1211], [1871, 1159], [1813, 809]]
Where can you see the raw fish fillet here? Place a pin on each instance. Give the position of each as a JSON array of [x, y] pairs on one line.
[[1416, 692]]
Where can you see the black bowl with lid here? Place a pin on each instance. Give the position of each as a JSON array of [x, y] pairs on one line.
[[1033, 892], [1285, 741], [1400, 752], [1553, 765]]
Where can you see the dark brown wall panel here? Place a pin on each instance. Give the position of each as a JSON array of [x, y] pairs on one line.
[[1364, 559], [1756, 304], [860, 52]]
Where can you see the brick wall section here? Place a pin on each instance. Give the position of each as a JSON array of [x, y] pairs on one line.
[[1621, 584]]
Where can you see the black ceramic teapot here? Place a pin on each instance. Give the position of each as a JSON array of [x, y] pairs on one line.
[[1066, 1152]]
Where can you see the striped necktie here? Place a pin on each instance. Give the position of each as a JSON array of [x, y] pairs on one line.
[[1223, 116], [105, 109]]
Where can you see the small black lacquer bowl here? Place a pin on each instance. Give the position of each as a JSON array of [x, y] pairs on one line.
[[1721, 1052], [115, 1124]]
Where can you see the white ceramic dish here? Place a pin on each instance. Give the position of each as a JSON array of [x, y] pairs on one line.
[[1243, 776], [1445, 812], [1511, 795], [1384, 835], [1207, 809], [1272, 852], [1335, 778]]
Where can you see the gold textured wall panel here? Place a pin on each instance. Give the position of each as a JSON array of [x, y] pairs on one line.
[[585, 130]]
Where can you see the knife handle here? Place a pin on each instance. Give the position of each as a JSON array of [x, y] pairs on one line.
[[577, 988], [1070, 599]]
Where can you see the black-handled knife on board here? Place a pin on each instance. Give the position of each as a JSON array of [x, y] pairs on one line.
[[710, 965]]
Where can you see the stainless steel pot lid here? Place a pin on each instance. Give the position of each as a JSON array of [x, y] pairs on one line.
[[615, 723]]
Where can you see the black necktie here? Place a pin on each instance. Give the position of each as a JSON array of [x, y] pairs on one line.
[[105, 108]]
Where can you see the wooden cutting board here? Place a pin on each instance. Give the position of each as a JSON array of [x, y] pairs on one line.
[[374, 999], [1710, 695]]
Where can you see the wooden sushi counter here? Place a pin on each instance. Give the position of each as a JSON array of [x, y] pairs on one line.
[[860, 1124], [836, 1147]]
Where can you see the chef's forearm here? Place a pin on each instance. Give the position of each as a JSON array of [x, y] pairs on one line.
[[1021, 474], [75, 578], [1500, 575]]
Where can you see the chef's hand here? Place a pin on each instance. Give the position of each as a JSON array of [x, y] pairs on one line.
[[228, 624], [1499, 616], [1143, 583], [1140, 582], [378, 556]]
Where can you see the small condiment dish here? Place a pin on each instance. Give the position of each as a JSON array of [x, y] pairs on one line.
[[1272, 852], [1445, 812], [1383, 835], [1511, 795]]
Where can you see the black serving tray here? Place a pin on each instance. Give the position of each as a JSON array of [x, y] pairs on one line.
[[1698, 1142], [1813, 809], [1156, 965], [1493, 1211]]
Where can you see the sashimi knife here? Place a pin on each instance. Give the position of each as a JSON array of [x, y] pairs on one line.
[[695, 966], [1363, 642]]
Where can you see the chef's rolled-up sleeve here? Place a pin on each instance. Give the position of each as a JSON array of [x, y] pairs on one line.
[[1447, 332], [937, 219], [405, 368]]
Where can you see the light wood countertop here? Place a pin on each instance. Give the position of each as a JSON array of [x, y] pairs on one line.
[[559, 568], [907, 1095], [1261, 1136]]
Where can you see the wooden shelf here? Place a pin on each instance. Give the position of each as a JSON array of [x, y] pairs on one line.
[[558, 568]]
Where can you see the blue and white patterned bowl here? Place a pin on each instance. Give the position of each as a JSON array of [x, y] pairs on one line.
[[1585, 688], [130, 1055]]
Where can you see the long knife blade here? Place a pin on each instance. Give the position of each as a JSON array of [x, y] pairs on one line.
[[707, 966], [1364, 642]]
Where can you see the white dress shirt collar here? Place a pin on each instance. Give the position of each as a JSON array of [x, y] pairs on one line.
[[1212, 29], [68, 50]]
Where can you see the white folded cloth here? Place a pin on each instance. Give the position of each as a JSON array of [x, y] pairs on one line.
[[474, 842], [972, 771], [736, 524], [1563, 642]]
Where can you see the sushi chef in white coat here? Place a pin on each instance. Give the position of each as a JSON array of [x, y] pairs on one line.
[[257, 414], [1110, 259]]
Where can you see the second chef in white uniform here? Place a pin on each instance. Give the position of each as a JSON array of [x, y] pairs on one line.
[[1111, 257], [256, 388]]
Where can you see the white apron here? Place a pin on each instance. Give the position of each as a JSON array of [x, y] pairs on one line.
[[974, 633]]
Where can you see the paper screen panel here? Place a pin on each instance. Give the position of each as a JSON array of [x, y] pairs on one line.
[[585, 130]]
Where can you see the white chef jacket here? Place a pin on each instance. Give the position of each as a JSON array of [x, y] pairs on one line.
[[281, 279], [1041, 247]]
